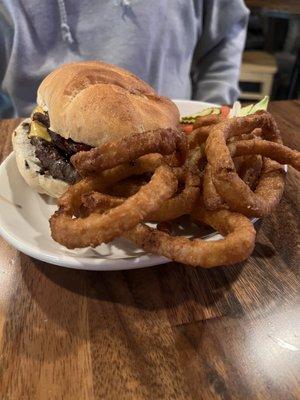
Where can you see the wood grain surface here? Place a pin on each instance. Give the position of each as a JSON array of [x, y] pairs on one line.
[[291, 7], [167, 332]]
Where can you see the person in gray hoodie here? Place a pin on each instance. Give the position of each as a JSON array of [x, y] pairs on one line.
[[185, 49]]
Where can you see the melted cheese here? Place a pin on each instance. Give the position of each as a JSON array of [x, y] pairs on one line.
[[39, 130], [38, 109]]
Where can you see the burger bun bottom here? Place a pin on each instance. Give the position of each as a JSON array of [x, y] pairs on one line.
[[29, 165]]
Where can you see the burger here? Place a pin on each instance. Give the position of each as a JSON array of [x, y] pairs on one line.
[[80, 106]]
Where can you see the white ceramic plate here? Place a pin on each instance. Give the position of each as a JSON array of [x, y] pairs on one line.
[[24, 216]]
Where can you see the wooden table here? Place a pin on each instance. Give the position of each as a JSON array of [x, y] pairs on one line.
[[168, 332], [289, 7]]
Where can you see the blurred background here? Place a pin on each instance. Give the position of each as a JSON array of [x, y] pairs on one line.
[[271, 60]]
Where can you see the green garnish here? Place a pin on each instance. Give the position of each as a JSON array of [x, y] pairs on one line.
[[191, 119], [253, 108], [243, 112]]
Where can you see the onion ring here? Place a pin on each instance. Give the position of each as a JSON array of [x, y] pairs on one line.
[[232, 189], [183, 202], [96, 229], [199, 136], [70, 201], [127, 187], [201, 129], [172, 208], [235, 247], [95, 202], [211, 198], [207, 120], [163, 141], [255, 134], [249, 169], [276, 151]]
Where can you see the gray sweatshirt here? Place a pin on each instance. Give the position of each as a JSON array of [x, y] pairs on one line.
[[184, 48]]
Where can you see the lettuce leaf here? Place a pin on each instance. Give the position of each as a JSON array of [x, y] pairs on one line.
[[261, 106]]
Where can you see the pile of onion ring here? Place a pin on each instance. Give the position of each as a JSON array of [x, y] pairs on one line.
[[224, 172]]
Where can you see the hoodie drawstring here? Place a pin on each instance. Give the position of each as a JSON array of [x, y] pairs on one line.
[[123, 3], [64, 26]]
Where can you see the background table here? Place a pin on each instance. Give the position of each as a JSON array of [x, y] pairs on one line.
[[168, 332], [276, 7]]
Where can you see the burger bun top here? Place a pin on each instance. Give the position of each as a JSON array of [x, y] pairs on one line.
[[93, 102]]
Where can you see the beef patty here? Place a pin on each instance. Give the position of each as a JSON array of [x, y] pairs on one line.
[[53, 161], [55, 156]]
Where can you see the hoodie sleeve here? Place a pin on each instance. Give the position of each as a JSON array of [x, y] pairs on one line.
[[217, 59], [6, 38]]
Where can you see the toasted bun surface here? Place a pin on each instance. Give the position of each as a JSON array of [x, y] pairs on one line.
[[93, 102], [28, 165]]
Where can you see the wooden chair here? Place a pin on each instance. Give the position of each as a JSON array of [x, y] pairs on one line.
[[258, 67]]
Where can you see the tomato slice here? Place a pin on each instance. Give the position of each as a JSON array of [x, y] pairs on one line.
[[187, 128], [225, 110]]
